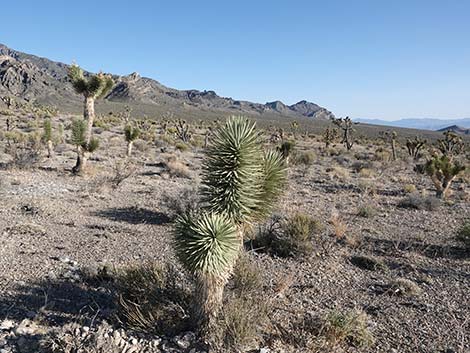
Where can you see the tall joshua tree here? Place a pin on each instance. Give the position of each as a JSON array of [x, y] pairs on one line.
[[131, 134], [91, 87], [345, 124], [241, 184]]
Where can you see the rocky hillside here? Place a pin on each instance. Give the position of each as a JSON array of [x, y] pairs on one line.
[[32, 78], [457, 129]]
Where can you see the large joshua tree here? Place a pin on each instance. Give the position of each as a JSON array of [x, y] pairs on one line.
[[91, 88], [131, 134], [240, 185]]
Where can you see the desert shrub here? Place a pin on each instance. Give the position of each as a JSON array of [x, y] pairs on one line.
[[463, 234], [181, 146], [176, 168], [242, 321], [338, 172], [304, 158], [360, 165], [409, 188], [289, 237], [420, 202], [382, 154], [367, 211], [368, 262], [246, 275], [121, 171], [24, 149], [152, 299], [347, 327], [186, 201], [367, 186], [404, 287], [339, 227]]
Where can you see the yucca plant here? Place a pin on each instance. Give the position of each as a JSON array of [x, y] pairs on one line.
[[91, 87], [47, 137], [84, 148], [442, 170], [131, 134], [240, 185]]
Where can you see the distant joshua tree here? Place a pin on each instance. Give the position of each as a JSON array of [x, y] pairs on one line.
[[391, 137], [414, 146], [451, 144], [241, 183], [131, 134], [47, 137], [92, 88], [329, 136], [345, 124], [442, 170]]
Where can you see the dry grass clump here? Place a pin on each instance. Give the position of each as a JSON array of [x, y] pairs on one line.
[[404, 287], [339, 227], [346, 327], [183, 202], [181, 146], [304, 158], [420, 202], [246, 275], [464, 234], [176, 168], [368, 262], [339, 173], [409, 188], [152, 299], [367, 211], [242, 321], [289, 237]]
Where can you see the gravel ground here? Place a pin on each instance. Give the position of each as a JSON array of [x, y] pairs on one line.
[[53, 225]]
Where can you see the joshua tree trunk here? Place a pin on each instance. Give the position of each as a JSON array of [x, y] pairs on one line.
[[209, 295], [82, 159], [394, 151], [89, 114], [50, 150], [129, 148], [442, 187]]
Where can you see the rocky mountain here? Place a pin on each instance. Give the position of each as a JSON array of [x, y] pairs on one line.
[[422, 124], [457, 129], [33, 78]]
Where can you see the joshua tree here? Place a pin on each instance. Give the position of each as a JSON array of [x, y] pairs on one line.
[[84, 148], [182, 131], [286, 149], [451, 144], [241, 184], [207, 136], [47, 137], [345, 124], [131, 134], [329, 136], [92, 88], [391, 137], [442, 171], [414, 146], [295, 127]]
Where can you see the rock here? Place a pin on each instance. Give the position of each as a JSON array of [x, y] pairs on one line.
[[6, 325], [27, 328]]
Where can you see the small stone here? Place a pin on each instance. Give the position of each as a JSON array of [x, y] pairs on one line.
[[6, 325]]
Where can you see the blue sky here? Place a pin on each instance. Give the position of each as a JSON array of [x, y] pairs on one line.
[[362, 58]]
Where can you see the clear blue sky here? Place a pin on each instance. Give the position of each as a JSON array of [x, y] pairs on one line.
[[377, 58]]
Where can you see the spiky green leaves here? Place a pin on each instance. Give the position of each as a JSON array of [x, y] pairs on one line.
[[232, 169], [95, 86], [206, 243], [78, 137], [443, 166], [47, 133], [131, 133]]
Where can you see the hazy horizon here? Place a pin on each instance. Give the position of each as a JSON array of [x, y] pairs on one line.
[[370, 60]]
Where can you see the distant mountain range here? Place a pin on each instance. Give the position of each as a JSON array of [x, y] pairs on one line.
[[31, 78], [422, 124]]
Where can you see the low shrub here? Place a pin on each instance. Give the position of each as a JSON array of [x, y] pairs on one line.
[[419, 202], [367, 211], [463, 234]]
